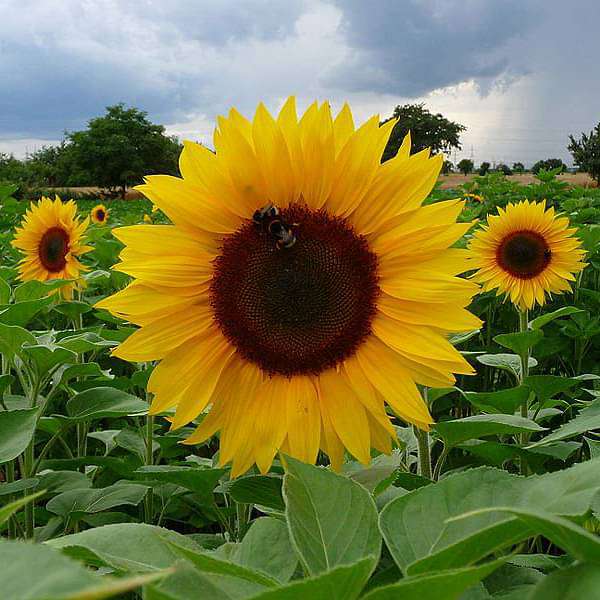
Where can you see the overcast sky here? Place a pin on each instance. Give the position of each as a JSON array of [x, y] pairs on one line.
[[520, 74]]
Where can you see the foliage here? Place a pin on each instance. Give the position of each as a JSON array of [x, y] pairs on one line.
[[505, 169], [119, 508], [484, 167], [586, 152], [465, 166], [518, 167], [118, 149], [427, 130], [548, 165]]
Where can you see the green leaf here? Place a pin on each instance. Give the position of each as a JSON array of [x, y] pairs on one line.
[[344, 582], [12, 338], [5, 382], [264, 490], [421, 539], [18, 486], [83, 501], [457, 431], [37, 572], [11, 508], [587, 420], [82, 370], [502, 401], [448, 585], [33, 290], [134, 547], [102, 402], [506, 362], [85, 342], [55, 482], [267, 548], [565, 311], [332, 519], [4, 292], [520, 342], [199, 481], [47, 357], [16, 431], [574, 583], [72, 309], [21, 313], [548, 386], [563, 533], [209, 563]]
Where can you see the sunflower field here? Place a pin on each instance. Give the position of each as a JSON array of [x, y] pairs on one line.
[[297, 372]]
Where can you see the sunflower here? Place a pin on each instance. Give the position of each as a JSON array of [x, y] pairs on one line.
[[50, 236], [99, 214], [525, 252], [300, 288], [475, 197]]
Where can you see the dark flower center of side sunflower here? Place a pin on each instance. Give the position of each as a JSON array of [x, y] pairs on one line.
[[53, 249], [524, 254], [299, 309], [100, 214]]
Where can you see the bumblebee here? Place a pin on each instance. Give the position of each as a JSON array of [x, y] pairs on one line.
[[269, 220]]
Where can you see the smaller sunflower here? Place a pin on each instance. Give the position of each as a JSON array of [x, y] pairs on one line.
[[147, 218], [525, 252], [99, 214], [475, 197], [50, 237]]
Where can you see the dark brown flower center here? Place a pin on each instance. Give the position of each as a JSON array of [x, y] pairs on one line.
[[300, 308], [100, 214], [524, 254], [53, 249]]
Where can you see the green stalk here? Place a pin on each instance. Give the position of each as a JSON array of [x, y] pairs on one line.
[[29, 466], [524, 356], [149, 500], [424, 452]]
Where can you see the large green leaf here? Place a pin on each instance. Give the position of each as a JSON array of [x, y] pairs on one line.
[[575, 540], [580, 582], [16, 431], [267, 548], [81, 501], [257, 489], [548, 386], [343, 582], [134, 547], [587, 420], [37, 572], [21, 313], [332, 519], [12, 338], [102, 402], [47, 357], [421, 538], [565, 311], [502, 401], [520, 342], [457, 431], [33, 290], [11, 508], [448, 585], [506, 362]]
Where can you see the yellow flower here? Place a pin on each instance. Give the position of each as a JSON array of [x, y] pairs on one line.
[[147, 218], [50, 236], [99, 214], [301, 287], [475, 197], [526, 251]]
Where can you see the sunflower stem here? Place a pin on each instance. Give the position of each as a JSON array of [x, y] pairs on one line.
[[29, 466], [424, 452], [149, 500], [524, 356]]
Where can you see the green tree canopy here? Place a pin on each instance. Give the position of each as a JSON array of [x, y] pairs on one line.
[[484, 167], [518, 167], [119, 148], [586, 152], [465, 166], [427, 130], [548, 164]]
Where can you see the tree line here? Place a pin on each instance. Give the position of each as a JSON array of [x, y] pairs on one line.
[[117, 149]]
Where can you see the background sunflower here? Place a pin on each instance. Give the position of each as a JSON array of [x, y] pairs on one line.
[[525, 252], [99, 214], [50, 236], [301, 287]]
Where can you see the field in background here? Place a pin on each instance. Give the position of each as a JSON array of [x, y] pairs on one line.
[[455, 179]]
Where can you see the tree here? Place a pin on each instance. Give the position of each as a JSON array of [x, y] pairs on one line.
[[586, 152], [484, 167], [502, 168], [448, 167], [118, 149], [518, 167], [548, 165], [426, 131], [465, 166]]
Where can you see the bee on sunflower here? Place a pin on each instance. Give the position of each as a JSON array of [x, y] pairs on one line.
[[99, 214], [51, 238], [300, 290]]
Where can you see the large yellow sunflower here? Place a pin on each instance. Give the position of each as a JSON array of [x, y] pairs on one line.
[[301, 287], [50, 236], [525, 252], [99, 214]]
